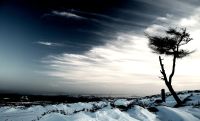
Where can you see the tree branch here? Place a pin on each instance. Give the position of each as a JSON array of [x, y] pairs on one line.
[[162, 71]]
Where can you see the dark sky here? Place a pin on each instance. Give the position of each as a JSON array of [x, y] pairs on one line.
[[34, 32]]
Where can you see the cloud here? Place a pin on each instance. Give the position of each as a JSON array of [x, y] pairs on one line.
[[155, 29], [165, 19], [177, 6], [192, 21], [127, 60], [49, 43], [114, 62], [102, 19], [67, 14], [113, 19]]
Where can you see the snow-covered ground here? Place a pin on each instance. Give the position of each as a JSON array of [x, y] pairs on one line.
[[141, 109]]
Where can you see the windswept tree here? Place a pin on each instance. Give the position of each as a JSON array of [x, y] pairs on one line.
[[170, 44]]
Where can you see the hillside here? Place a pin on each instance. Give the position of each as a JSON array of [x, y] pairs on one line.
[[132, 109]]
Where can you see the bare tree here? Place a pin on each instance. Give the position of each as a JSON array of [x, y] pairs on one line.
[[170, 45]]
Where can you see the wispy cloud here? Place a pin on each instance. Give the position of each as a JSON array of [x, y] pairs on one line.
[[67, 14], [49, 43], [113, 19], [101, 19]]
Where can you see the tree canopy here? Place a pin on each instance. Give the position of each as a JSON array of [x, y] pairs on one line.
[[171, 43]]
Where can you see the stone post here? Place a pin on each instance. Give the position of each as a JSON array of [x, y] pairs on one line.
[[163, 94]]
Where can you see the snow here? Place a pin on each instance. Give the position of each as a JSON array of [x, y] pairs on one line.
[[103, 115], [170, 100], [173, 114], [194, 111], [54, 117], [122, 102], [104, 111], [194, 99], [113, 115], [141, 114]]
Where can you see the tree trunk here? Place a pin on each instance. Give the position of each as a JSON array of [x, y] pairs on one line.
[[168, 83], [179, 102]]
